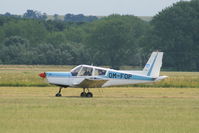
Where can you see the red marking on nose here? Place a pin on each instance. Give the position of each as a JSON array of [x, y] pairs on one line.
[[43, 75]]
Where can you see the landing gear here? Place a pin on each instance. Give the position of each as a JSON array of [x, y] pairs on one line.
[[88, 94], [83, 94], [59, 93]]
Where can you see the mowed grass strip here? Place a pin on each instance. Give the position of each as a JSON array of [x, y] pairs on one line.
[[27, 75], [176, 79], [118, 110]]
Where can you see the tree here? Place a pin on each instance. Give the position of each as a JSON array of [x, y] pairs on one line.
[[32, 30], [15, 50], [55, 38], [60, 54], [115, 40], [7, 14], [54, 26], [175, 32], [31, 14], [56, 17], [79, 18]]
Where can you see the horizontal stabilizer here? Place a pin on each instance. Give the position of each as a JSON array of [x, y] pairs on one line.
[[161, 78]]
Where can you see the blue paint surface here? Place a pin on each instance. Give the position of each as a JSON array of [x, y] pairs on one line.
[[119, 75], [58, 74]]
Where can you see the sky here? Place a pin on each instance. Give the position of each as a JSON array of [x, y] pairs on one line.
[[87, 7]]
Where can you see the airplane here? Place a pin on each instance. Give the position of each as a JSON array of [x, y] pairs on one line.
[[88, 76]]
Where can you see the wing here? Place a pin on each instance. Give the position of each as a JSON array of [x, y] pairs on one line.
[[92, 83]]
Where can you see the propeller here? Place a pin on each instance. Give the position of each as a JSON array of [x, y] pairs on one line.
[[42, 75]]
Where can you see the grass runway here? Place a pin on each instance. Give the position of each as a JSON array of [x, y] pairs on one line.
[[112, 110]]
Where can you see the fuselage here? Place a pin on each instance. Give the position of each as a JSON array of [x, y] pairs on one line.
[[112, 77]]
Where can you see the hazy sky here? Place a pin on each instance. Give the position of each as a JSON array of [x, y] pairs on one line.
[[87, 7]]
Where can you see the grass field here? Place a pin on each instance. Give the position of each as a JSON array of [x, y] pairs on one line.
[[28, 105], [113, 110], [26, 75]]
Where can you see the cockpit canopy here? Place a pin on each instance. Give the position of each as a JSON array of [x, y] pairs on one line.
[[84, 70]]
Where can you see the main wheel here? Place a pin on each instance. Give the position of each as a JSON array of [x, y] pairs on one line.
[[58, 95], [83, 94], [89, 94]]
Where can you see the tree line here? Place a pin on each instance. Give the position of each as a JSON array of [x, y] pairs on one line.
[[33, 14], [114, 40]]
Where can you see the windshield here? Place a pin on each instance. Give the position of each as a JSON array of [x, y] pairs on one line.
[[76, 70]]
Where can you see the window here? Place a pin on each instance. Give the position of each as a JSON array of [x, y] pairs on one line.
[[86, 71], [75, 71], [100, 72]]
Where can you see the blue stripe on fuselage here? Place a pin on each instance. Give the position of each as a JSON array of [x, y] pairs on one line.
[[111, 74], [58, 74], [118, 75]]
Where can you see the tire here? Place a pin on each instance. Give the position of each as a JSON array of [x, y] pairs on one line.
[[89, 94], [58, 95], [83, 94]]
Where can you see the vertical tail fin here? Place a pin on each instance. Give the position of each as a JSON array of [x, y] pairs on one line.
[[153, 65]]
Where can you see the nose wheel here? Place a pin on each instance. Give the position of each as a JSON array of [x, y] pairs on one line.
[[58, 95], [88, 94], [59, 92]]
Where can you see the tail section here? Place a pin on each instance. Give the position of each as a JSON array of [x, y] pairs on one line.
[[152, 67]]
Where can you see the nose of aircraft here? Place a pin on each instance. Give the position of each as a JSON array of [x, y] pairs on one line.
[[43, 75]]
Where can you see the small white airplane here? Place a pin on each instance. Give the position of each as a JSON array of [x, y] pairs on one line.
[[87, 76]]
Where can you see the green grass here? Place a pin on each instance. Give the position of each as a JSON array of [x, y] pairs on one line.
[[171, 109], [25, 75], [112, 110], [177, 80]]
